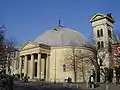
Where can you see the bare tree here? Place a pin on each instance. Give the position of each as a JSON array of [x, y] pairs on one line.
[[10, 51], [100, 55], [7, 46], [77, 61], [2, 50]]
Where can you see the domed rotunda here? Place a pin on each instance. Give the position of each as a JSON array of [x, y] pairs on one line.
[[45, 57], [62, 36]]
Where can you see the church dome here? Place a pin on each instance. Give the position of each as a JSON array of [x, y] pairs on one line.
[[62, 36]]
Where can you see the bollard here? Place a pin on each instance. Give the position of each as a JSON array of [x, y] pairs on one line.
[[87, 84], [92, 86], [70, 85], [106, 87], [77, 86]]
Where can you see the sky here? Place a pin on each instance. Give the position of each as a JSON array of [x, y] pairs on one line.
[[27, 19]]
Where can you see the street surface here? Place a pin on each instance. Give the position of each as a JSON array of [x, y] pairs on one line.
[[37, 86]]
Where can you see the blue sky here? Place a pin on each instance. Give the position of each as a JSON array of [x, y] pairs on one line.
[[27, 19]]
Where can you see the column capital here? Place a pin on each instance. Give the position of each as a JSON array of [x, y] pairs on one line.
[[39, 53]]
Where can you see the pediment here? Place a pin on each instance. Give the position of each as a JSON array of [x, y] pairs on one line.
[[97, 16], [28, 45]]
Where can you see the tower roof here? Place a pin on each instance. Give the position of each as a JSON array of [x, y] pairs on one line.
[[99, 16]]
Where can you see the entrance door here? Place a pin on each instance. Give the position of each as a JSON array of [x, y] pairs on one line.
[[35, 69]]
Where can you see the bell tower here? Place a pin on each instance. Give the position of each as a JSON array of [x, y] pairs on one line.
[[102, 25]]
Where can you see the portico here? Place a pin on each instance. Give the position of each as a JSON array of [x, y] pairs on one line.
[[34, 61]]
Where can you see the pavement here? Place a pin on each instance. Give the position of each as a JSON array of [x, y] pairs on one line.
[[18, 85]]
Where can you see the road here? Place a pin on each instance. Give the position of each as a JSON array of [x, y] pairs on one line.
[[38, 86]]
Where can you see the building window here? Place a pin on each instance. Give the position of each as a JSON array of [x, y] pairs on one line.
[[101, 32], [98, 33], [64, 67], [98, 45], [102, 44], [109, 33]]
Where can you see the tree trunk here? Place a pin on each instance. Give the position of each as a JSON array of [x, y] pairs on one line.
[[83, 74], [75, 76], [74, 66], [75, 73]]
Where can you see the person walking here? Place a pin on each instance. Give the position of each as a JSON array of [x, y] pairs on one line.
[[91, 81]]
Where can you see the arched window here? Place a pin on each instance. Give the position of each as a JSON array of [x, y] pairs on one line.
[[101, 32], [98, 33], [102, 44], [98, 45]]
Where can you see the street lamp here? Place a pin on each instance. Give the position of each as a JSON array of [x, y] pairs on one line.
[[55, 68]]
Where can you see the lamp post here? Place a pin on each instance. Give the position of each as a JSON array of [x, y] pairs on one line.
[[55, 68]]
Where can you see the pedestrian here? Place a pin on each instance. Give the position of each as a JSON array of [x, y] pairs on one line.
[[118, 79], [91, 81], [69, 80], [25, 78]]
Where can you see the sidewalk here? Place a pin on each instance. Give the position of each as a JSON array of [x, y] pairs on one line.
[[109, 86]]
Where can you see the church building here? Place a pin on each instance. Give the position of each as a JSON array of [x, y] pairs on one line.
[[44, 58]]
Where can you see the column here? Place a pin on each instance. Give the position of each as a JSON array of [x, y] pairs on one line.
[[20, 67], [48, 67], [43, 68], [25, 66], [32, 67], [39, 66]]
